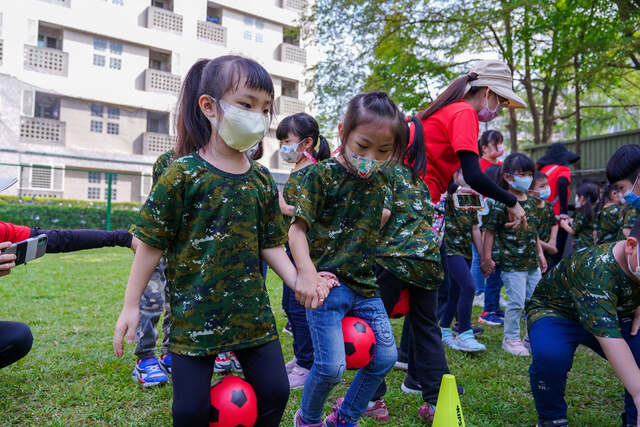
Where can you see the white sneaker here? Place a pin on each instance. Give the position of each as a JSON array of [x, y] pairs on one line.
[[514, 346], [478, 300], [290, 364]]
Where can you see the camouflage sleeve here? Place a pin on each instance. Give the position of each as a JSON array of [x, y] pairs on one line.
[[162, 162], [160, 216], [579, 223], [610, 221], [495, 218], [274, 233], [310, 198], [630, 218], [387, 187]]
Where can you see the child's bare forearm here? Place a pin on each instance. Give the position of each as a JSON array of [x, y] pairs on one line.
[[280, 263]]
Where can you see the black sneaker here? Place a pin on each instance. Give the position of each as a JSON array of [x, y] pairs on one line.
[[558, 422], [624, 420]]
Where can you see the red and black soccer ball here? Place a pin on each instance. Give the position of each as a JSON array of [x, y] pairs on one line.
[[359, 342], [233, 403], [402, 306]]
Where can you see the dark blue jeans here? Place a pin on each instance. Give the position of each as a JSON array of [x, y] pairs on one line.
[[492, 291], [297, 316], [461, 292], [553, 343]]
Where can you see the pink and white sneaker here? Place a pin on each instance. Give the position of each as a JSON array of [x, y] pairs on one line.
[[376, 410]]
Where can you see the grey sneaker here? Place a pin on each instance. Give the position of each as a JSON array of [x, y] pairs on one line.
[[290, 364], [514, 346], [297, 377]]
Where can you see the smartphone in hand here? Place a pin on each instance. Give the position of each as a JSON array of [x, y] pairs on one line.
[[29, 249]]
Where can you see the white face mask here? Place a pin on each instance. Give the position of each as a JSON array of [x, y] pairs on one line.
[[240, 129]]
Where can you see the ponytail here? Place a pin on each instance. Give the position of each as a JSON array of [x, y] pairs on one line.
[[590, 193], [454, 93], [416, 155], [192, 127], [605, 196], [324, 151]]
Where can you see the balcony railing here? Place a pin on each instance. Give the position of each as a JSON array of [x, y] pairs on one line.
[[38, 129], [65, 3], [297, 5], [46, 60], [161, 81], [292, 53], [156, 143], [212, 32], [165, 20], [286, 105], [1, 51], [31, 192]]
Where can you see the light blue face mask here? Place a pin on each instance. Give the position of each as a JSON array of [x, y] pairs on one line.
[[632, 198], [544, 194], [521, 183]]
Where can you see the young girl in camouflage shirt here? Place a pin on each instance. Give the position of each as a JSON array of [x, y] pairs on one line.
[[516, 251], [582, 226], [215, 214], [338, 216], [545, 218], [609, 219]]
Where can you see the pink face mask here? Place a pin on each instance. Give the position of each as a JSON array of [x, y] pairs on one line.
[[487, 114]]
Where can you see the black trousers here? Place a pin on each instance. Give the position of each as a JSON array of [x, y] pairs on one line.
[[263, 368], [15, 342], [427, 359]]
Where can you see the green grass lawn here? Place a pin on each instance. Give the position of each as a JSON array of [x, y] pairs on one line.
[[71, 377]]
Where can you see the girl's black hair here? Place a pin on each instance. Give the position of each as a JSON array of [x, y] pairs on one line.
[[304, 126], [258, 153], [624, 164], [590, 193], [489, 137], [493, 172], [416, 155], [370, 107], [515, 162], [215, 78], [538, 176], [605, 196]]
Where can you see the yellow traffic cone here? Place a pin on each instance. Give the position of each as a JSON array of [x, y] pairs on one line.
[[448, 409]]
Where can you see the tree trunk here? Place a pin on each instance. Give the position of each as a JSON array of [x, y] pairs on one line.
[[513, 129], [576, 67]]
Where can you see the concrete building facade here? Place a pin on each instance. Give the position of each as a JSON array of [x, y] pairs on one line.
[[89, 87]]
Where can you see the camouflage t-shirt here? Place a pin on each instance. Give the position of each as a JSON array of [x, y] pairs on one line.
[[588, 287], [162, 163], [212, 226], [343, 213], [292, 189], [545, 219], [457, 229], [583, 228], [609, 224], [408, 246], [629, 215], [514, 249]]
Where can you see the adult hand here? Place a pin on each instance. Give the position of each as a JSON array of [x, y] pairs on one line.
[[127, 324], [7, 261], [517, 217]]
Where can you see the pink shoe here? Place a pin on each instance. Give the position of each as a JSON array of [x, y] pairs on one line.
[[333, 421], [297, 377], [290, 364], [514, 346], [378, 411], [427, 412], [298, 422]]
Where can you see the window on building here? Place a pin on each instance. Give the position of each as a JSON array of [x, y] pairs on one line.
[[113, 113], [93, 193], [41, 177], [114, 178], [115, 63], [248, 35], [97, 110], [94, 177], [289, 88], [49, 37], [157, 122], [115, 47], [291, 35], [159, 61], [259, 24], [113, 128], [99, 43], [163, 4], [248, 21], [99, 60], [96, 126], [47, 106], [114, 193], [214, 14], [259, 38]]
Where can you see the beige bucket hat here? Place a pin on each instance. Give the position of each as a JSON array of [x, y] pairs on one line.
[[496, 76]]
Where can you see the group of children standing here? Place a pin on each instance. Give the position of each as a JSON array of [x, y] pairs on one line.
[[347, 235]]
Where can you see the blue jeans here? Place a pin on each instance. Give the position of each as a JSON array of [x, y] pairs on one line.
[[325, 324], [519, 286], [553, 343], [492, 292], [476, 273]]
